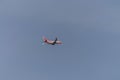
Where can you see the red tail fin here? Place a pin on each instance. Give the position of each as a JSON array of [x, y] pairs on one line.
[[44, 38]]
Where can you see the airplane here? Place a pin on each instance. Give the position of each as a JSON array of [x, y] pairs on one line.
[[56, 41]]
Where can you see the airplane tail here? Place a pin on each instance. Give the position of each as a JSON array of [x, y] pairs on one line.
[[44, 38]]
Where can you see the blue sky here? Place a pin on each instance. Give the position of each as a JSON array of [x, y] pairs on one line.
[[89, 30]]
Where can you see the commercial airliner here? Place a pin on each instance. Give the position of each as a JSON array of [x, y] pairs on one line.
[[56, 41]]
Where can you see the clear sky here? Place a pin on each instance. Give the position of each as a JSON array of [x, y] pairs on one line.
[[89, 30]]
